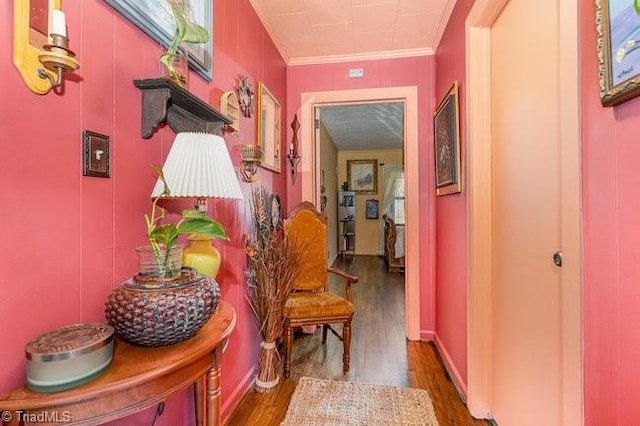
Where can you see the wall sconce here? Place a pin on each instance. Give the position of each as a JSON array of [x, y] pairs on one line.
[[40, 44], [251, 157], [293, 156]]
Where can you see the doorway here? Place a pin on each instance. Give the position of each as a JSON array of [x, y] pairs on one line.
[[311, 181], [524, 318], [369, 135]]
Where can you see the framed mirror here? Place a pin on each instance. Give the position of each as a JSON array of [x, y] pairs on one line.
[[269, 119], [31, 28]]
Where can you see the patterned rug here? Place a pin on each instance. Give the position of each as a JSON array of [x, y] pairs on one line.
[[318, 402]]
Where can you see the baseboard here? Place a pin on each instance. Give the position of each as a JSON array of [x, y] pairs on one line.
[[238, 393], [428, 336], [451, 369]]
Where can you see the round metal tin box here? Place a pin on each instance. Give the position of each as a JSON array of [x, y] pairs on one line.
[[69, 356]]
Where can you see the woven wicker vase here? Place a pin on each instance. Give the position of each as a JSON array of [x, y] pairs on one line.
[[160, 314]]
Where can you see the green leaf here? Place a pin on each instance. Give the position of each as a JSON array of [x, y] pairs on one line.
[[165, 234], [206, 226], [194, 214], [178, 8], [636, 5], [195, 33], [188, 32]]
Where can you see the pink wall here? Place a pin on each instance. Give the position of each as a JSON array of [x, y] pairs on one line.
[[418, 71], [68, 239], [611, 235], [451, 218], [611, 178]]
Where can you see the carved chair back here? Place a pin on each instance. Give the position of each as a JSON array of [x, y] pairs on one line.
[[308, 230]]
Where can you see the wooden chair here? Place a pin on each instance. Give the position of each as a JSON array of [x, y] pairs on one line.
[[311, 303], [394, 264]]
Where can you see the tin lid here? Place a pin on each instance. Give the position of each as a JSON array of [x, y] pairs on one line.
[[69, 342]]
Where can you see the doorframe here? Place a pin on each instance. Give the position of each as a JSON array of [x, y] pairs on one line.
[[479, 216], [311, 182]]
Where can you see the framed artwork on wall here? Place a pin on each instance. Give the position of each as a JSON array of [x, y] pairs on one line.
[[362, 176], [446, 136], [371, 209], [156, 20], [618, 27], [269, 119]]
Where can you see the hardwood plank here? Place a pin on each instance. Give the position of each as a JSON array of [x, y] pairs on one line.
[[380, 352]]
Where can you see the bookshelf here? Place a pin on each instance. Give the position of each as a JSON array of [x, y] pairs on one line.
[[346, 222]]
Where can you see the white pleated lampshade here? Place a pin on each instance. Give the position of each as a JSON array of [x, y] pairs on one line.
[[199, 165]]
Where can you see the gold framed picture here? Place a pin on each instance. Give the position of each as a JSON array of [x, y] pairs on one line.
[[269, 128], [362, 176], [618, 27]]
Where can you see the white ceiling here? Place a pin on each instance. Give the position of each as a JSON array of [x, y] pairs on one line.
[[323, 31], [365, 126]]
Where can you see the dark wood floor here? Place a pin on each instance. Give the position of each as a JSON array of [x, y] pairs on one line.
[[379, 353]]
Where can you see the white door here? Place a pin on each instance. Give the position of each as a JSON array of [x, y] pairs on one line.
[[527, 215]]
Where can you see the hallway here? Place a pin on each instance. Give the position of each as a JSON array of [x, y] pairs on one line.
[[379, 353]]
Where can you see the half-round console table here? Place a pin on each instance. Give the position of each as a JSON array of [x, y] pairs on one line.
[[138, 378]]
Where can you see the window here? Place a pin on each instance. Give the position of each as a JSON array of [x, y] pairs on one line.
[[398, 202]]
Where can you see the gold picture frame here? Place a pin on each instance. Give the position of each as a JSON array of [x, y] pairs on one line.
[[618, 27], [446, 137], [362, 176], [269, 128]]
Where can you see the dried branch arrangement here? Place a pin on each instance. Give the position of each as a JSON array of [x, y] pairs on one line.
[[273, 261]]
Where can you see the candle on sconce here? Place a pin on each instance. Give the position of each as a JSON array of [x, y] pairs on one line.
[[58, 22], [293, 147]]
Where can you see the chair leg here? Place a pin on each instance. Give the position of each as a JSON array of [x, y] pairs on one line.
[[288, 343], [324, 333], [346, 336]]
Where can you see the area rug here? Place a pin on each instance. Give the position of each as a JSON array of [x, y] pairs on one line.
[[318, 402]]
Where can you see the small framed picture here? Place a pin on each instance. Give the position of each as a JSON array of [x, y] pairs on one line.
[[446, 137], [95, 154], [372, 209]]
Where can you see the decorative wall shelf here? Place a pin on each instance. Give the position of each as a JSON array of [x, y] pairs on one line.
[[230, 107], [165, 101]]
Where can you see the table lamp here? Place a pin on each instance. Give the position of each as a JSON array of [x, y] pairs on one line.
[[199, 166]]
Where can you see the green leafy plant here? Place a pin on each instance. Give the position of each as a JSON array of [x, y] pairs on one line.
[[162, 237], [186, 32]]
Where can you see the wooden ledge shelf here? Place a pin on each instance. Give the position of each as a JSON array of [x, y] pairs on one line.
[[165, 101]]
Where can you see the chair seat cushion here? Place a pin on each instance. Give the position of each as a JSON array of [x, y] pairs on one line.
[[316, 305]]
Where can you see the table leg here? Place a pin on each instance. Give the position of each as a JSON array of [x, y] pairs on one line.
[[213, 390], [199, 390]]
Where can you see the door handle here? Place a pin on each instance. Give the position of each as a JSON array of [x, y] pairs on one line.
[[557, 259]]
